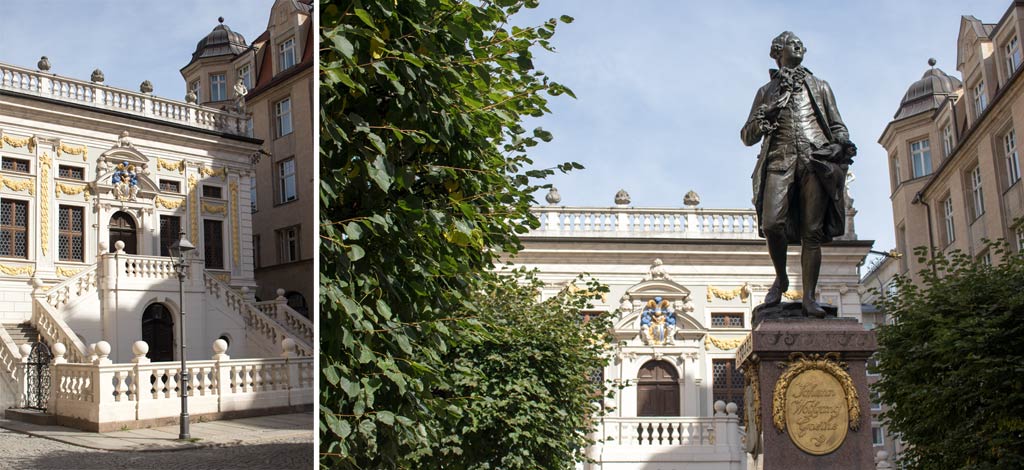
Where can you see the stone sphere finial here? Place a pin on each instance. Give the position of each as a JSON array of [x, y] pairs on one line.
[[244, 290], [97, 76], [59, 350], [932, 61], [119, 246], [719, 406], [146, 86], [280, 294], [220, 346], [191, 97], [25, 349], [287, 347], [691, 199], [43, 64], [622, 198], [220, 19], [553, 197], [140, 348], [731, 408], [103, 349]]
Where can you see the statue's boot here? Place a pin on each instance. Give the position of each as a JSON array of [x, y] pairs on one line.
[[810, 261], [774, 296]]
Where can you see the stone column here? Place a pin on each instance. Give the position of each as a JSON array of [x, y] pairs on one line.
[[815, 365]]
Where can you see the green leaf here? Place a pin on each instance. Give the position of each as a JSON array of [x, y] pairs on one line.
[[344, 46], [386, 417], [363, 15], [339, 427], [379, 173]]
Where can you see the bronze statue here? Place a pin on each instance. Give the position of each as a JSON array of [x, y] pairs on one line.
[[800, 176]]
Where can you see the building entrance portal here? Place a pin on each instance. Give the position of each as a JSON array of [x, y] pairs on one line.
[[158, 332], [657, 390], [122, 227]]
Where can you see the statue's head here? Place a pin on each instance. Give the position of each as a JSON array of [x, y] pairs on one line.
[[787, 49]]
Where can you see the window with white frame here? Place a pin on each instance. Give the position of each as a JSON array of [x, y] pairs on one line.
[[947, 216], [286, 176], [947, 141], [288, 244], [245, 75], [980, 100], [977, 197], [1012, 160], [218, 87], [986, 258], [195, 88], [876, 401], [252, 194], [877, 436], [1020, 239], [921, 157], [286, 54], [1012, 56], [897, 178], [283, 113]]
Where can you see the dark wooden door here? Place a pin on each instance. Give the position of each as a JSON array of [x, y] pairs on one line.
[[158, 332], [122, 227], [657, 390]]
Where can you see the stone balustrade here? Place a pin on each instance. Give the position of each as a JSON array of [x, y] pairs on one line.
[[279, 310], [263, 327], [101, 396], [72, 288], [98, 95], [53, 328], [630, 222]]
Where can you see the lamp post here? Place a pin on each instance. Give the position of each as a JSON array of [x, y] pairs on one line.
[[179, 252]]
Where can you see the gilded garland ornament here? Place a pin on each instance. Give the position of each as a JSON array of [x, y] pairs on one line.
[[167, 203], [723, 344], [207, 171], [194, 209], [743, 292], [29, 142], [65, 148], [793, 294], [214, 208], [71, 190], [67, 272], [16, 270], [815, 401], [171, 165], [19, 185]]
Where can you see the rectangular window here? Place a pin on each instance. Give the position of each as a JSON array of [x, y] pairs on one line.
[[986, 258], [256, 252], [212, 192], [921, 156], [872, 366], [1012, 160], [977, 197], [727, 382], [245, 75], [15, 164], [980, 100], [71, 172], [1020, 239], [213, 243], [288, 244], [218, 87], [71, 239], [1012, 57], [877, 438], [901, 245], [283, 112], [897, 178], [170, 186], [947, 141], [13, 228], [252, 194], [286, 175], [947, 216], [287, 54], [727, 320], [194, 86], [876, 401], [170, 228]]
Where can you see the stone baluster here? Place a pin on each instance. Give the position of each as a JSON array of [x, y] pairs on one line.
[[25, 350], [142, 376]]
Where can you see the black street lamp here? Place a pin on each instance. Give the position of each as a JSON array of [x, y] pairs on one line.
[[179, 252]]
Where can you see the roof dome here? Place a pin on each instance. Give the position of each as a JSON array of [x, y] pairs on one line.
[[221, 41], [928, 92]]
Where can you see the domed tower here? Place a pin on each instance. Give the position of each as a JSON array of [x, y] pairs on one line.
[[218, 62], [923, 133]]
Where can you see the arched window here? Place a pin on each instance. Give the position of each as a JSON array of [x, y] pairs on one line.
[[122, 227], [657, 390], [158, 332], [297, 302]]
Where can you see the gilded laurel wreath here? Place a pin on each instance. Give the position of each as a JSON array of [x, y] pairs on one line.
[[828, 363]]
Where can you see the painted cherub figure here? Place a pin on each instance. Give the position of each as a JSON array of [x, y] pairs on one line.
[[658, 322]]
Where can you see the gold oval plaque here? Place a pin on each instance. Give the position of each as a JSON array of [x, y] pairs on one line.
[[816, 414]]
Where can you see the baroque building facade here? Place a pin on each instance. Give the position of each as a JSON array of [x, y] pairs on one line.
[[683, 284], [954, 160], [271, 81]]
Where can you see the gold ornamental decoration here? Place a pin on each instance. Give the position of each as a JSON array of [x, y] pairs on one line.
[[752, 406], [793, 294], [723, 344], [214, 208], [742, 292], [815, 401], [19, 185], [171, 165], [233, 189], [207, 171], [71, 190], [194, 209], [67, 272], [167, 203], [16, 270], [65, 148], [30, 142], [44, 202]]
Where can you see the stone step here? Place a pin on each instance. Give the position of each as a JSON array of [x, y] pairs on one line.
[[22, 333]]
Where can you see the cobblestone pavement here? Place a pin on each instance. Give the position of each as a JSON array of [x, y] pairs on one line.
[[22, 452]]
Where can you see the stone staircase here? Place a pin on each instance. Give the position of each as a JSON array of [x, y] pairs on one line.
[[23, 333]]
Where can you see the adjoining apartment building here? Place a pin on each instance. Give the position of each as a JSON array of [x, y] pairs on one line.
[[953, 147], [271, 80]]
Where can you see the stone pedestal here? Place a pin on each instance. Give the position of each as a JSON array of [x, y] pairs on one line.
[[810, 357]]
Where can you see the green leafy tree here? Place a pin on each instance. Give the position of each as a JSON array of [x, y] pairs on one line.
[[952, 362], [424, 180], [535, 391]]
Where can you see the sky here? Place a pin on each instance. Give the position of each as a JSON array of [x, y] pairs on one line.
[[129, 40], [664, 86]]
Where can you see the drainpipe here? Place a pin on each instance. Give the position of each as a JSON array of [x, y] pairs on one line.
[[919, 199]]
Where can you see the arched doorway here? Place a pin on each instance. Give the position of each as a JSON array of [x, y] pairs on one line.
[[657, 391], [298, 303], [158, 332], [122, 227]]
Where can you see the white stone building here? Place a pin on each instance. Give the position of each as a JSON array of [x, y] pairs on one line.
[[96, 183], [710, 268]]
